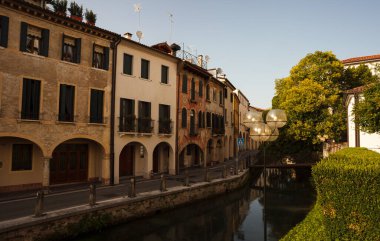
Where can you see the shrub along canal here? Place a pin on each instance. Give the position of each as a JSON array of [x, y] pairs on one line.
[[234, 216]]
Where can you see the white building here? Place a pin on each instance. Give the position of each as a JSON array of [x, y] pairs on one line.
[[356, 137], [145, 110]]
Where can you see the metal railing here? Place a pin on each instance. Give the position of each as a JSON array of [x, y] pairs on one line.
[[165, 127], [145, 125], [127, 124], [197, 60]]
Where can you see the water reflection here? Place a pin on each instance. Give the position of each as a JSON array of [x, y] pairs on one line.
[[233, 216]]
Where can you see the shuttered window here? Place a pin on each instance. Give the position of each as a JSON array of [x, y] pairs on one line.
[[22, 157], [4, 26], [66, 103], [34, 40], [127, 115], [71, 49], [184, 84], [96, 106], [127, 65], [184, 118], [200, 88], [144, 69], [30, 108], [164, 74], [207, 92], [100, 57]]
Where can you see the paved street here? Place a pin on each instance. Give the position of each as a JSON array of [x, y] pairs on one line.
[[22, 204]]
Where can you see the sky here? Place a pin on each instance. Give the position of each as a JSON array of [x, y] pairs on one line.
[[254, 42]]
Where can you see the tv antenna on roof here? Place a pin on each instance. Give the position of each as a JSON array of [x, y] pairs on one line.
[[171, 21], [137, 8]]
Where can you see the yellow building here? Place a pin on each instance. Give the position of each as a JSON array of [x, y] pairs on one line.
[[55, 85]]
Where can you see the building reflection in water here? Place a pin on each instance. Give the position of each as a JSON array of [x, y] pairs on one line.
[[233, 216]]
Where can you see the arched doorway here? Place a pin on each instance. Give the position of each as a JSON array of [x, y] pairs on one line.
[[191, 156], [162, 158], [209, 152], [219, 149], [132, 160], [76, 160]]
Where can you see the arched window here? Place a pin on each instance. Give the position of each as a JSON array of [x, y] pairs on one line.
[[184, 118]]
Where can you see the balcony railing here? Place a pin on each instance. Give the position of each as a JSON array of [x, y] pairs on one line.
[[165, 127], [127, 124], [145, 125], [197, 60]]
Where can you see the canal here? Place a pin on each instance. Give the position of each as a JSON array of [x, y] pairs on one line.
[[235, 216]]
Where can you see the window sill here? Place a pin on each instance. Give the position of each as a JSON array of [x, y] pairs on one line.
[[96, 124], [128, 75], [209, 101], [29, 120], [1, 47], [137, 134], [165, 134], [69, 63], [66, 122], [165, 84], [34, 55], [103, 70], [21, 171], [148, 80]]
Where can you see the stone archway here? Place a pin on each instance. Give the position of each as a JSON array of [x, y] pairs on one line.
[[133, 160], [191, 156], [163, 158]]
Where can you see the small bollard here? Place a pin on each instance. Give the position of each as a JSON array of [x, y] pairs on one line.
[[163, 183], [224, 173], [186, 180], [207, 175], [92, 196], [132, 191], [39, 209]]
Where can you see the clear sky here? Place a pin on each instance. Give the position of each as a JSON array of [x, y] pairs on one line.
[[253, 41]]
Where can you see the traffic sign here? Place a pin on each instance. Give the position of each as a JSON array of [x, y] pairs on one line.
[[240, 142]]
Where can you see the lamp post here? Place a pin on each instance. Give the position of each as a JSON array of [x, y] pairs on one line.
[[265, 132]]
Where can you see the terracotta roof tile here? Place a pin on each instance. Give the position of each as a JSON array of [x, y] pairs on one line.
[[356, 90], [361, 59]]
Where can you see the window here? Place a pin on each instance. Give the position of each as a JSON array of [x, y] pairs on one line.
[[214, 95], [22, 157], [127, 115], [225, 93], [231, 97], [221, 97], [164, 74], [100, 59], [4, 25], [30, 108], [145, 121], [208, 119], [184, 118], [71, 49], [66, 103], [96, 106], [200, 119], [164, 119], [200, 88], [144, 69], [225, 117], [207, 92], [128, 61], [34, 40], [192, 89], [184, 84]]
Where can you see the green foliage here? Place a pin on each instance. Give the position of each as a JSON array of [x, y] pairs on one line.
[[367, 111], [59, 6], [90, 16], [311, 228], [348, 186], [357, 76], [76, 10]]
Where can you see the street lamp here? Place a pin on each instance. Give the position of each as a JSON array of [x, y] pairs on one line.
[[265, 132]]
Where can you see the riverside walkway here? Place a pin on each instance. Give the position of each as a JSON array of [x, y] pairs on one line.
[[22, 204]]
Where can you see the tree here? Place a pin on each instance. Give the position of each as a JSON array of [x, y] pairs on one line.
[[367, 110]]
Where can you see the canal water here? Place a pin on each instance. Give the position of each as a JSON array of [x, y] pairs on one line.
[[232, 217]]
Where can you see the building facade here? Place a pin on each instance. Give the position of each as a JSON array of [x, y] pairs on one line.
[[145, 107], [55, 83], [355, 136]]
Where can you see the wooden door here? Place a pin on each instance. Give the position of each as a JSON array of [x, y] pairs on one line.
[[126, 161]]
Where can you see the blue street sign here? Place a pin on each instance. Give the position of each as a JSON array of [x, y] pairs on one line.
[[240, 141]]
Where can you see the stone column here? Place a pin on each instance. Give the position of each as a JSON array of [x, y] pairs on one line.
[[106, 171], [148, 164], [46, 173]]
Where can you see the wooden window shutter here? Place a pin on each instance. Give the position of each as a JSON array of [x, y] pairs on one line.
[[23, 33], [106, 58], [45, 42], [78, 43], [184, 84], [4, 31]]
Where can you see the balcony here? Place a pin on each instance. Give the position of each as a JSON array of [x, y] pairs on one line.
[[127, 124], [145, 125], [218, 131], [165, 127]]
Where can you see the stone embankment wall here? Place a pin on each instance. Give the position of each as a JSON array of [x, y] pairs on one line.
[[70, 222]]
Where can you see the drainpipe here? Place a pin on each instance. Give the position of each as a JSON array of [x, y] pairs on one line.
[[179, 65], [113, 96]]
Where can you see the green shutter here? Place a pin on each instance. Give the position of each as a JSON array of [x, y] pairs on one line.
[[45, 42], [100, 106], [184, 84], [78, 43], [4, 31], [93, 107], [23, 33]]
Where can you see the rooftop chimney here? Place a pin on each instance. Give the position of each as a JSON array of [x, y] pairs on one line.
[[175, 48], [128, 35]]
